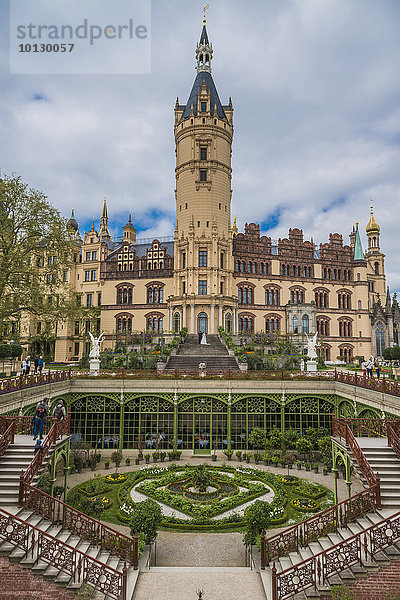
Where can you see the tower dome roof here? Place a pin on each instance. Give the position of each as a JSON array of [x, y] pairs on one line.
[[372, 225], [72, 222]]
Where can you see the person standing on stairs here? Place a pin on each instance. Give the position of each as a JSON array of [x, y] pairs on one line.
[[200, 336], [42, 411], [59, 414]]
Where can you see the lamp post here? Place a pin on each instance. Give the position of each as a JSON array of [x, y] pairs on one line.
[[12, 357]]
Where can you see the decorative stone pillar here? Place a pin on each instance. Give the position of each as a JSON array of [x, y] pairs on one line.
[[175, 421], [169, 318], [192, 330], [220, 315], [212, 319], [184, 323]]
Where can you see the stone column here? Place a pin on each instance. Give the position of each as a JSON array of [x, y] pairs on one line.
[[169, 318], [235, 321], [192, 329], [220, 315], [212, 319], [184, 324]]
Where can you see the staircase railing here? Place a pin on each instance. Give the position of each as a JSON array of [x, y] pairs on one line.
[[393, 434], [7, 432], [329, 520], [39, 545], [86, 527], [316, 570], [342, 428], [58, 512]]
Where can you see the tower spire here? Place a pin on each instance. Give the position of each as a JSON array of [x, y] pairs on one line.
[[104, 232], [204, 50]]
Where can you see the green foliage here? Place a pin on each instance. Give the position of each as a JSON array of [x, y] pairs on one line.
[[16, 350], [392, 353], [5, 351], [32, 230], [257, 518], [201, 477], [116, 456], [146, 519], [258, 438], [85, 592], [291, 436], [341, 592], [254, 361], [311, 434], [304, 446], [44, 484], [325, 446], [275, 438]]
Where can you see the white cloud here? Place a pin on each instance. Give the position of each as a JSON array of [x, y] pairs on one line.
[[315, 89]]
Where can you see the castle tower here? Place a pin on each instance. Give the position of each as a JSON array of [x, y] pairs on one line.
[[129, 231], [375, 260], [203, 238]]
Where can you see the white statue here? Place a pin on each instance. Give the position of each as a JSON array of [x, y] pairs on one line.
[[95, 351], [311, 344]]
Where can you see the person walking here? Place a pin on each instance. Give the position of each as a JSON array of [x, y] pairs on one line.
[[59, 413], [28, 364], [369, 367], [36, 364], [38, 446], [377, 368], [40, 364], [23, 367], [39, 418], [200, 336]]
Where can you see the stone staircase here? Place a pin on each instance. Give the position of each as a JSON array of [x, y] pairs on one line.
[[48, 572], [16, 459], [384, 461], [191, 354], [347, 576]]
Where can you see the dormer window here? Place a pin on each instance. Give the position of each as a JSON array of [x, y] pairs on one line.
[[203, 107]]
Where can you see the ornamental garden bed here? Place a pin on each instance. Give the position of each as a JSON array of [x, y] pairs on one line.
[[219, 507]]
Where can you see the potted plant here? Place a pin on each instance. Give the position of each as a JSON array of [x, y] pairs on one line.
[[116, 457], [107, 463], [147, 458], [307, 466], [315, 467], [162, 456], [248, 456], [177, 454], [257, 458], [73, 469], [93, 462], [156, 456], [239, 455], [137, 460], [98, 456], [79, 464], [266, 458], [128, 462], [228, 454], [298, 463], [171, 455]]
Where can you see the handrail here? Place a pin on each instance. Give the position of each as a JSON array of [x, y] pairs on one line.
[[393, 436], [21, 382], [343, 430], [321, 523], [86, 527], [315, 570], [328, 520], [40, 545], [7, 432]]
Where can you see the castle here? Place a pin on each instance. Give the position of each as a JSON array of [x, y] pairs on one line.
[[210, 275]]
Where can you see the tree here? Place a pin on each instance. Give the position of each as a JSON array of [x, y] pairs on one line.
[[201, 477], [146, 519], [36, 247], [392, 353], [257, 518], [304, 446], [257, 438]]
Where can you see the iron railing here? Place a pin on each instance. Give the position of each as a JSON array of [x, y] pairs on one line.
[[21, 382], [82, 568]]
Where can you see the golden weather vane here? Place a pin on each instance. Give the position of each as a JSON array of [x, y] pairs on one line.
[[205, 8]]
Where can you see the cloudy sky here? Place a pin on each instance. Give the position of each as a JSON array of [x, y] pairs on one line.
[[316, 90]]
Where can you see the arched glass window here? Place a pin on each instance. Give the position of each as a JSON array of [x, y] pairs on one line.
[[380, 339], [177, 322], [305, 324], [228, 322], [295, 325]]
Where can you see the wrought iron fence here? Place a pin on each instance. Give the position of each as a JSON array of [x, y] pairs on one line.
[[21, 382], [40, 545], [316, 570]]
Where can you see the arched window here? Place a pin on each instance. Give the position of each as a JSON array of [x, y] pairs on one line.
[[228, 322], [125, 294], [155, 294], [177, 322], [245, 294], [376, 268], [359, 305], [380, 339], [272, 296], [305, 324], [295, 325]]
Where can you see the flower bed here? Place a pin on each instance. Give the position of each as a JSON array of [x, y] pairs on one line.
[[115, 478], [309, 490], [105, 500], [305, 505], [288, 479]]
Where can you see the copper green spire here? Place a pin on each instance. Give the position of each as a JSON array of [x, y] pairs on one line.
[[358, 251]]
